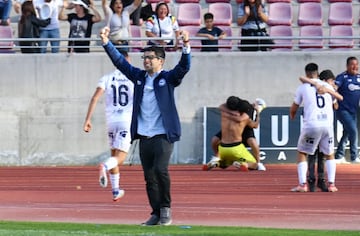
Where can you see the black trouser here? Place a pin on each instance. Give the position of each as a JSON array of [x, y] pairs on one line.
[[256, 43], [155, 155], [320, 166]]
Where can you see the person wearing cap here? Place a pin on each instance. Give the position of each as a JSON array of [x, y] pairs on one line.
[[81, 23], [117, 18], [155, 120]]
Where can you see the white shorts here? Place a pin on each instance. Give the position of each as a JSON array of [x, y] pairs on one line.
[[312, 138], [119, 136]]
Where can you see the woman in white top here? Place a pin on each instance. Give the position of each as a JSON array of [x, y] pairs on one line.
[[164, 25], [118, 20]]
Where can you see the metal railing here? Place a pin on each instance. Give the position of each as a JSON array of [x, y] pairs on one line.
[[292, 43]]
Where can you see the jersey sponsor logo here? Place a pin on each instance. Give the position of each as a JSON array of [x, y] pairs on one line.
[[353, 87]]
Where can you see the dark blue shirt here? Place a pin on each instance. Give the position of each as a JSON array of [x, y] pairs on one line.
[[349, 88]]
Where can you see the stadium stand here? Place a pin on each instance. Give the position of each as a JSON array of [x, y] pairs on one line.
[[226, 45], [273, 1], [215, 1], [136, 45], [302, 1], [340, 13], [6, 32], [341, 43], [281, 31], [310, 13], [311, 43], [280, 13], [187, 1], [222, 13], [195, 43], [189, 14]]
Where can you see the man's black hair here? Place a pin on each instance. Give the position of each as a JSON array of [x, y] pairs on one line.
[[233, 103], [311, 67], [326, 74], [159, 51]]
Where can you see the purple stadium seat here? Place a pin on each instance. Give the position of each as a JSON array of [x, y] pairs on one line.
[[340, 13], [310, 13], [280, 13], [157, 1], [6, 33], [273, 1], [341, 43], [311, 31], [189, 14], [195, 43], [214, 1], [226, 45], [301, 1], [222, 13], [187, 1], [281, 31], [331, 1], [136, 46]]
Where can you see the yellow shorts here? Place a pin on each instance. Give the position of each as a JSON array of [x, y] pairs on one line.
[[234, 152]]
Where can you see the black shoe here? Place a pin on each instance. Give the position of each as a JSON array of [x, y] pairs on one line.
[[311, 185], [165, 216], [153, 220], [322, 185]]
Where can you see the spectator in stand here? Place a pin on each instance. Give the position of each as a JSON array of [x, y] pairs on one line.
[[52, 30], [348, 85], [5, 9], [211, 32], [135, 16], [252, 17], [163, 25], [81, 23], [28, 27], [117, 18]]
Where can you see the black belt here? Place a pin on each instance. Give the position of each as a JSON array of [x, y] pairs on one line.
[[150, 137]]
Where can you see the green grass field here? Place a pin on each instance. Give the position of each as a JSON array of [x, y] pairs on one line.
[[69, 229]]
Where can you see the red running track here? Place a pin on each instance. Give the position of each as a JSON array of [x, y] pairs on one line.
[[217, 197]]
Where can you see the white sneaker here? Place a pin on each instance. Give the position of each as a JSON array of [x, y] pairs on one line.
[[356, 161], [261, 166], [341, 161]]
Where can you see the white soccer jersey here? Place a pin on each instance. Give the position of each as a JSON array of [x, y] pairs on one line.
[[318, 108], [119, 92]]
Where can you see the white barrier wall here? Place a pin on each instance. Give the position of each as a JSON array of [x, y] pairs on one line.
[[44, 99]]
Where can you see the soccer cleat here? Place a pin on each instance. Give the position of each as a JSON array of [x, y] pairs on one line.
[[300, 188], [312, 187], [102, 176], [243, 166], [332, 187], [117, 194], [321, 184]]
